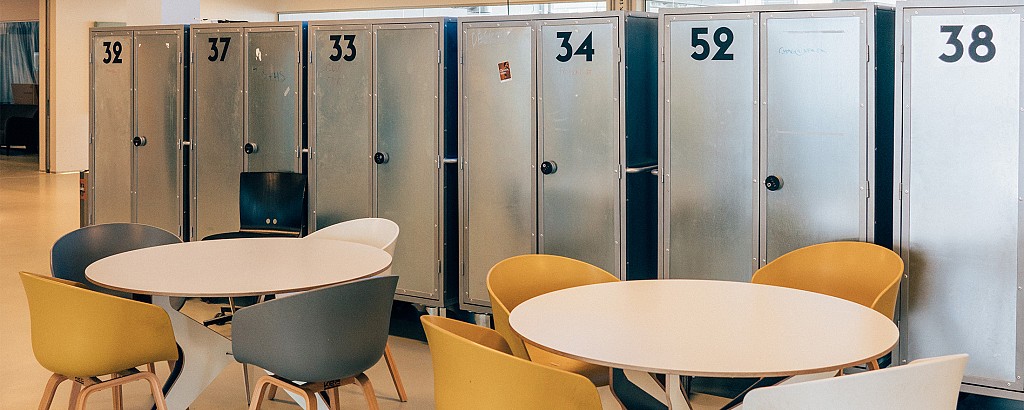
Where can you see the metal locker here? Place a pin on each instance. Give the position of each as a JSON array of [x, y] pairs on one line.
[[273, 97], [960, 195], [807, 162], [579, 148], [159, 128], [710, 118], [814, 142], [498, 113], [340, 123], [111, 132], [557, 135], [246, 81], [409, 67]]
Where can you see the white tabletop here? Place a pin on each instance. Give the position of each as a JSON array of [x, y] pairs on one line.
[[237, 267], [705, 328]]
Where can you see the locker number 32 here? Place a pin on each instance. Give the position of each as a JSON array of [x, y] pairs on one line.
[[113, 52], [981, 40]]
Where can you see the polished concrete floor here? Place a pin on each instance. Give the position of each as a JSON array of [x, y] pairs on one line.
[[37, 208]]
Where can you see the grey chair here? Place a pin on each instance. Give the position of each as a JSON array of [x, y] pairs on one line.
[[325, 338], [75, 251]]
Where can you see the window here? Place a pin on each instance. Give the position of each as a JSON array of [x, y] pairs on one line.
[[498, 9]]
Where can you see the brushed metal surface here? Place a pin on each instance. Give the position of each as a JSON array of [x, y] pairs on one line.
[[815, 141], [218, 107], [340, 125], [711, 119], [111, 172], [962, 168], [579, 130], [273, 97], [498, 151], [158, 117], [406, 87]]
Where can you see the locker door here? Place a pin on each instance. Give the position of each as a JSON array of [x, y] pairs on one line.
[[961, 175], [340, 124], [711, 125], [110, 169], [579, 122], [814, 133], [158, 126], [273, 92], [498, 150], [217, 120], [406, 87]]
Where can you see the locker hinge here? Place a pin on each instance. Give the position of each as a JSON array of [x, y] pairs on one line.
[[309, 60], [869, 53], [618, 55], [438, 57], [460, 59], [192, 57], [437, 161], [179, 62], [899, 195], [867, 189], [618, 172], [901, 53], [661, 55]]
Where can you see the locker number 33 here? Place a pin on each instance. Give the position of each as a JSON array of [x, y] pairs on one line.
[[586, 47], [981, 40]]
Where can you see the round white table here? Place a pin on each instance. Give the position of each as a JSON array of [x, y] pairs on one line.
[[704, 328], [228, 268]]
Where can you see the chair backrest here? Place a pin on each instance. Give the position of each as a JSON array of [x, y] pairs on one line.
[[924, 384], [860, 272], [73, 252], [320, 335], [79, 332], [475, 369], [272, 202], [516, 279], [379, 233]]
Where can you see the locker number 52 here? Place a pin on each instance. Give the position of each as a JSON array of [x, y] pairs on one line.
[[981, 38]]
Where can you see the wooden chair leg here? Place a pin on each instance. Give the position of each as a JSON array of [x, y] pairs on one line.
[[50, 390], [257, 394], [336, 398], [83, 395], [271, 392], [154, 388], [371, 398], [390, 360], [76, 390], [117, 395], [873, 365]]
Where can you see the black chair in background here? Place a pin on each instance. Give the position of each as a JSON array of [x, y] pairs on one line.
[[270, 204]]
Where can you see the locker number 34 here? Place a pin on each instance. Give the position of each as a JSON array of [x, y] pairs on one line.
[[981, 40], [586, 48]]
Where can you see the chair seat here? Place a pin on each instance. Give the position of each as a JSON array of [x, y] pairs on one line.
[[251, 234], [597, 374]]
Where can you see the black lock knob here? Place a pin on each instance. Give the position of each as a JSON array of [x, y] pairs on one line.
[[773, 183], [380, 158], [548, 167], [139, 141], [250, 148]]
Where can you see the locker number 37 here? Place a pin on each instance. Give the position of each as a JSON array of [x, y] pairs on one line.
[[981, 40]]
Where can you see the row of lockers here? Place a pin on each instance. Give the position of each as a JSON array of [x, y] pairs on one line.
[[701, 143]]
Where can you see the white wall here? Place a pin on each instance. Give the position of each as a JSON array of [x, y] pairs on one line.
[[19, 10], [246, 10]]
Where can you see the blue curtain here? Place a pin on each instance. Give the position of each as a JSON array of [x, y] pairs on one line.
[[19, 43]]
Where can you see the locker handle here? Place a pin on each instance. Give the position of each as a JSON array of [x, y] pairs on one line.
[[773, 183], [250, 148], [450, 161], [380, 158], [139, 141], [548, 167], [653, 169]]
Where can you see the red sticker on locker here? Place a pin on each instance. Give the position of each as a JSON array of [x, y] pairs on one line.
[[504, 72]]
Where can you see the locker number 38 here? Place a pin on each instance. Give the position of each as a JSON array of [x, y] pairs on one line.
[[981, 40]]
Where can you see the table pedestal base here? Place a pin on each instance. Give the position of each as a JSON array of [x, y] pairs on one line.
[[205, 354], [676, 399]]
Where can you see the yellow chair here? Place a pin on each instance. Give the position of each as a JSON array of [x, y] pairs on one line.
[[516, 279], [859, 272], [474, 369], [81, 334]]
